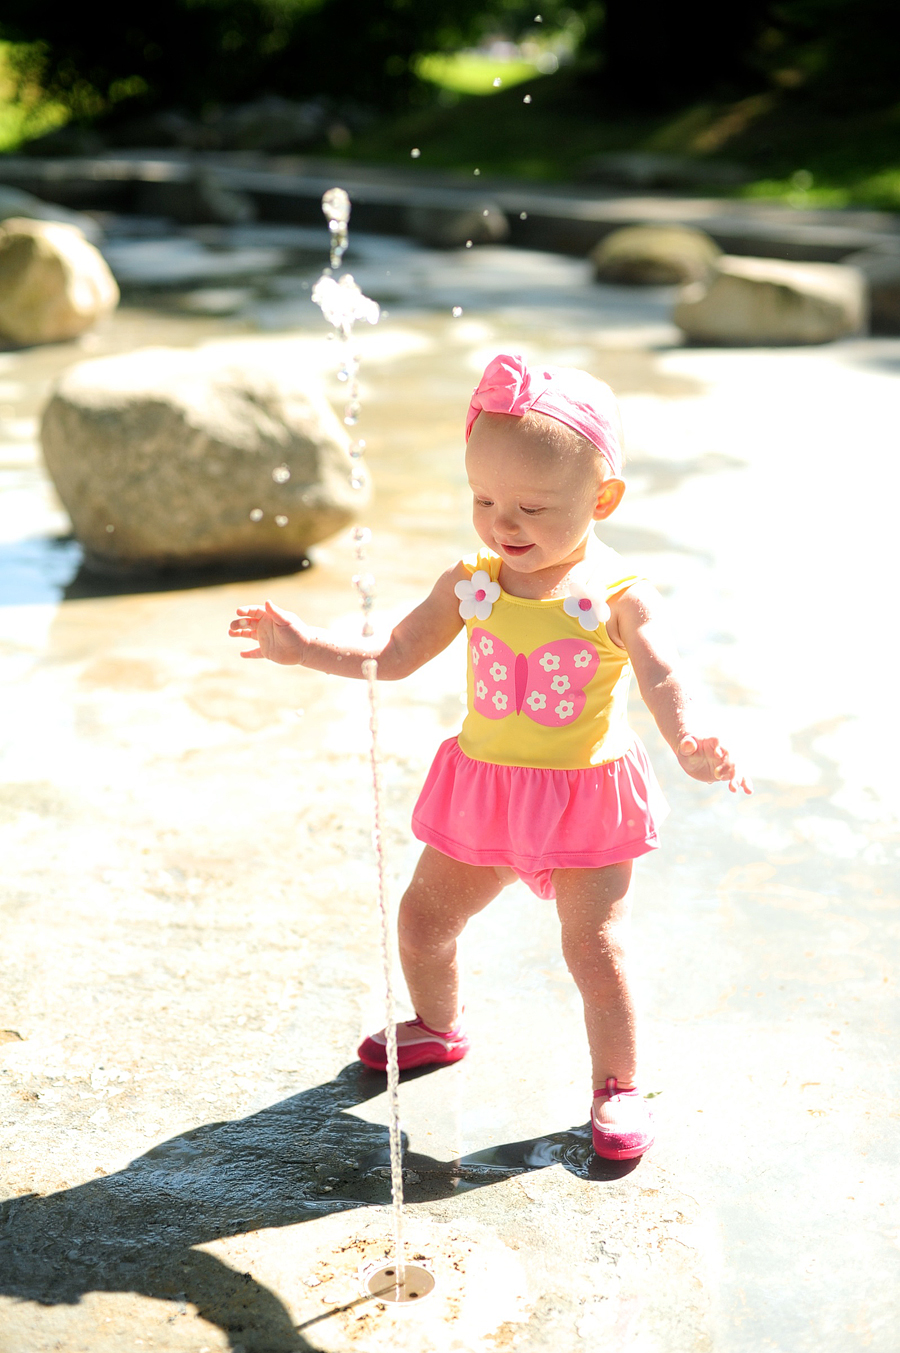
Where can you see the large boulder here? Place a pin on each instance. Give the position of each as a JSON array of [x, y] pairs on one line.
[[655, 255], [53, 284], [168, 459], [767, 302], [881, 269]]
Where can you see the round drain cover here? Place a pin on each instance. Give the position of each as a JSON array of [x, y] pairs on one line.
[[401, 1285]]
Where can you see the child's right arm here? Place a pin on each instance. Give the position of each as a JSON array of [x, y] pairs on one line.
[[283, 637]]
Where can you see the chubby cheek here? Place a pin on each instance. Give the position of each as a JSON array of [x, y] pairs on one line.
[[481, 520]]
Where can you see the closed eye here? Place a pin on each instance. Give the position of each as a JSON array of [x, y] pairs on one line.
[[532, 511]]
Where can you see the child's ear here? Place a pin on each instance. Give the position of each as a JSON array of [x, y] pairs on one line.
[[608, 498]]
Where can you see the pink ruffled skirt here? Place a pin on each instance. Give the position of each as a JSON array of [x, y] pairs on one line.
[[532, 820]]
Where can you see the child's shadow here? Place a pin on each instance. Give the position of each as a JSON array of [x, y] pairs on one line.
[[297, 1160]]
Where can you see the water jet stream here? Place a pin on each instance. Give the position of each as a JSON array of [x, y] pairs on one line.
[[343, 304]]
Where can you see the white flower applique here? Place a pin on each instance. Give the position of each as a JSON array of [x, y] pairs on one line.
[[588, 608], [477, 595]]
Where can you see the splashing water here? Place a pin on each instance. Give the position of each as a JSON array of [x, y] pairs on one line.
[[336, 206], [343, 304]]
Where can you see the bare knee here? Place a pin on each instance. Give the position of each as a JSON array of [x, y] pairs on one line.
[[422, 930], [597, 957]]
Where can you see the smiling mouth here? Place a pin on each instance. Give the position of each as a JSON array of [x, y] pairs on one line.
[[516, 549]]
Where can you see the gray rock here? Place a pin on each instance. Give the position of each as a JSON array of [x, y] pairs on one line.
[[655, 255], [198, 199], [169, 459], [881, 269], [14, 202], [453, 227], [272, 124], [649, 169], [53, 283], [767, 302]]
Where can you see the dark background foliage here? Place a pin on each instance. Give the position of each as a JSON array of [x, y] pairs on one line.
[[645, 54]]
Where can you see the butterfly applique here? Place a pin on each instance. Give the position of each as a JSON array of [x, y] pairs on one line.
[[546, 685]]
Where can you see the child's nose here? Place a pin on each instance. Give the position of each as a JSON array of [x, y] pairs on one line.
[[507, 522]]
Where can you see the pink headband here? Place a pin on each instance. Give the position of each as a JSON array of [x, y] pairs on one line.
[[571, 397]]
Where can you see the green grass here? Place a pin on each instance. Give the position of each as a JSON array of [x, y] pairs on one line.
[[25, 111], [473, 72]]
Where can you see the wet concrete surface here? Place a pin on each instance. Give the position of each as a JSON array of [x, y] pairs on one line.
[[191, 1157]]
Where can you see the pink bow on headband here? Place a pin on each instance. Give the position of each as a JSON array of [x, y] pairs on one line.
[[572, 397]]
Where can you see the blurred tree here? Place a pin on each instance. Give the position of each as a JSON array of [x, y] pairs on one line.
[[652, 54], [845, 53], [646, 54], [194, 53]]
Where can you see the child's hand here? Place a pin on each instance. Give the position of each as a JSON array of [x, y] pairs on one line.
[[279, 635], [707, 760]]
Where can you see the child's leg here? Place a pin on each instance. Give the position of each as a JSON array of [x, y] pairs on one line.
[[594, 911], [442, 896]]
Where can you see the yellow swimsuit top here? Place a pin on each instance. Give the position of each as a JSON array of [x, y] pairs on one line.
[[547, 687]]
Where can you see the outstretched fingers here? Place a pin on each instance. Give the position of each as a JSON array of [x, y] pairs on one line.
[[245, 626], [708, 760]]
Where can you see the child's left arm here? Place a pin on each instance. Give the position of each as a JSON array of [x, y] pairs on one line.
[[636, 625]]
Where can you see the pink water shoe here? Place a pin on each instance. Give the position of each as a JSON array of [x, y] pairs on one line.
[[632, 1132], [417, 1045]]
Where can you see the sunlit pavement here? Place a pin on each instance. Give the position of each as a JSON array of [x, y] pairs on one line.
[[193, 1158]]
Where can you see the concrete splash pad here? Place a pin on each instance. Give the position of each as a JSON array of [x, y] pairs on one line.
[[192, 1158]]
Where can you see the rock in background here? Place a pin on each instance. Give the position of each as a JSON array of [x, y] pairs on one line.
[[200, 199], [764, 301], [13, 202], [168, 459], [53, 283], [454, 227], [881, 269], [653, 255]]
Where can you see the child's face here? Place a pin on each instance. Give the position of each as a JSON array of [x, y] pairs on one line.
[[536, 494]]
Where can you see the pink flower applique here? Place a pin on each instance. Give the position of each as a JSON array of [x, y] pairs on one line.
[[588, 610], [477, 595]]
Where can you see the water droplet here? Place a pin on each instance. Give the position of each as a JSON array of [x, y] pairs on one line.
[[468, 244], [498, 82], [523, 215], [527, 98], [486, 211], [362, 535], [356, 482], [281, 474], [456, 311], [110, 529], [539, 18], [415, 152], [281, 521], [355, 452], [477, 172], [361, 443], [256, 514]]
